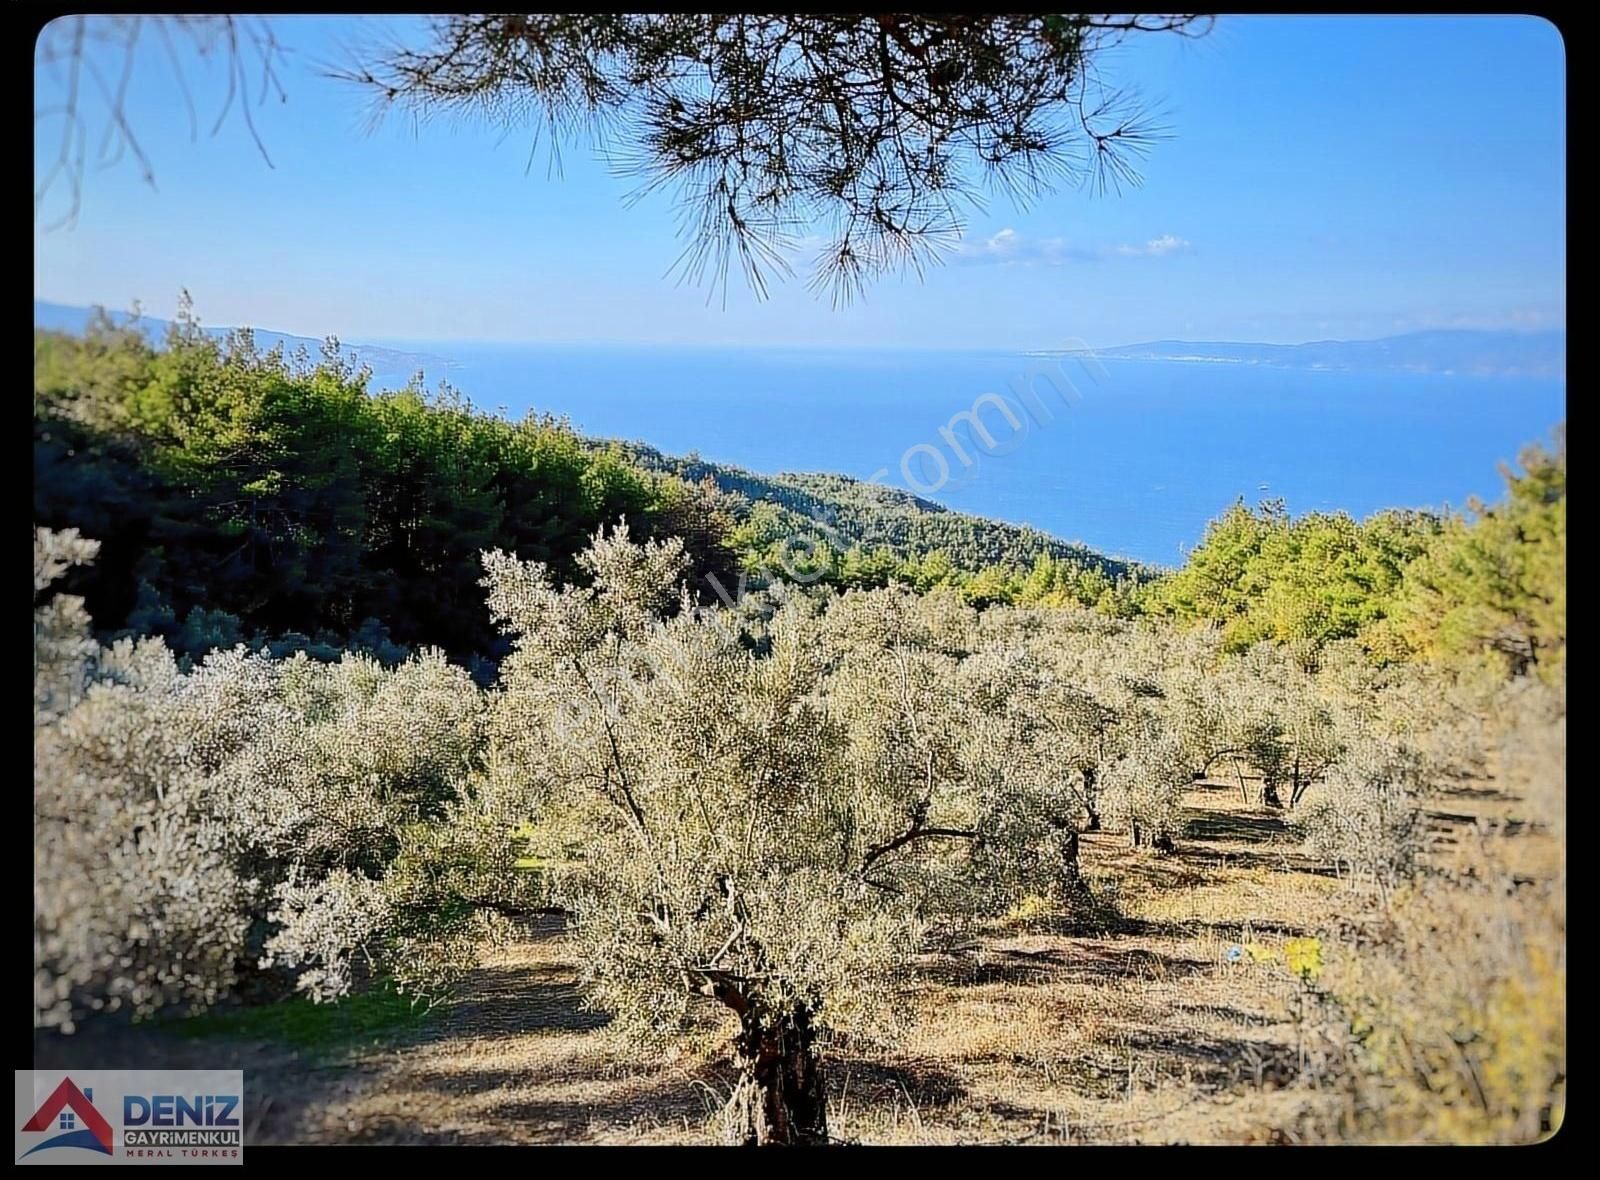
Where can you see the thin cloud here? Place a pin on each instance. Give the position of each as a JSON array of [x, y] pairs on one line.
[[1166, 244], [1010, 247]]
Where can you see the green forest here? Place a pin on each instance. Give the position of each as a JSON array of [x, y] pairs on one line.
[[279, 501]]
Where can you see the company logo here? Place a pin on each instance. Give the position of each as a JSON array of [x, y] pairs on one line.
[[71, 1111], [129, 1116]]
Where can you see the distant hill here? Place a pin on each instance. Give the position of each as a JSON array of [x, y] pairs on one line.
[[384, 362], [1498, 354], [846, 511], [850, 511]]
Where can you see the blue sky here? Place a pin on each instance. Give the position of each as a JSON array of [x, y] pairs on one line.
[[1336, 177]]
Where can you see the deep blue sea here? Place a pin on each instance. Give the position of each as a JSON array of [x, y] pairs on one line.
[[1129, 457]]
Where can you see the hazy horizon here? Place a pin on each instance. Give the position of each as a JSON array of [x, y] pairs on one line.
[[475, 342]]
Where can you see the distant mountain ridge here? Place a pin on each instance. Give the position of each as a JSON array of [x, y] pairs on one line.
[[1463, 351], [387, 362], [1453, 350]]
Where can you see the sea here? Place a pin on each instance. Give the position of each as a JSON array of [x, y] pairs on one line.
[[1131, 458]]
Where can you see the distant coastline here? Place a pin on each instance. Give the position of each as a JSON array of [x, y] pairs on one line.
[[1444, 353]]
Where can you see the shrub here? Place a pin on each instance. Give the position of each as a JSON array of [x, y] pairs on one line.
[[1367, 819], [1454, 1023], [138, 900], [1144, 791]]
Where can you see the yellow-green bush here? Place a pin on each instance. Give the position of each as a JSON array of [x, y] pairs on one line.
[[1456, 1022]]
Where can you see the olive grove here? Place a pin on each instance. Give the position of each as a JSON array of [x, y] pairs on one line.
[[773, 806]]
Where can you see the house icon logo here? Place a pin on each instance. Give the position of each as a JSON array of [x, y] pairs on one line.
[[71, 1113]]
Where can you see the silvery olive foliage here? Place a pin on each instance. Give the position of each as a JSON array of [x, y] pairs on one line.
[[1366, 819], [358, 752], [137, 898], [774, 804], [62, 645], [1531, 716], [392, 855], [194, 826], [774, 808], [1144, 789], [1289, 733]]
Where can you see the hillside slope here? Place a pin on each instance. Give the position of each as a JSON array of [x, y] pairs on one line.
[[848, 511], [844, 511], [384, 362]]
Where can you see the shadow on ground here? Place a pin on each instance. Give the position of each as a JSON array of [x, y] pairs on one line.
[[1070, 961], [1218, 1061], [1240, 827], [510, 1105], [512, 1000], [282, 1085]]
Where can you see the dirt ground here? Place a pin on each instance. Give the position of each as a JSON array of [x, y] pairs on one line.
[[1156, 1034]]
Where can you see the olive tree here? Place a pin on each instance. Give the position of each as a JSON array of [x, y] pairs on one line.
[[1144, 789], [1200, 698], [1091, 736], [192, 828], [769, 809], [1295, 738], [1090, 697], [1049, 737], [385, 850], [1367, 819], [62, 644], [138, 901]]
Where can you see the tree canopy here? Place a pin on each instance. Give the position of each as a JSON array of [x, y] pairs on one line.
[[1495, 584], [871, 132], [248, 494], [879, 127]]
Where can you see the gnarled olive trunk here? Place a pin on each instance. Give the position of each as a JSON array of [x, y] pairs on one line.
[[1090, 800], [782, 1096]]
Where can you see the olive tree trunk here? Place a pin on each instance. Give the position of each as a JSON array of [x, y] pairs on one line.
[[1071, 866], [1297, 785], [782, 1095]]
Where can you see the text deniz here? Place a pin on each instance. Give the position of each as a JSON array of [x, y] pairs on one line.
[[180, 1110]]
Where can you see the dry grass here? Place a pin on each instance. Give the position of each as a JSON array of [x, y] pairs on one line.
[[1152, 1034]]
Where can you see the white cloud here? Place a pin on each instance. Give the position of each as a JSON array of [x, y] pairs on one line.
[[1166, 244], [1154, 248], [1006, 246], [1009, 246]]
